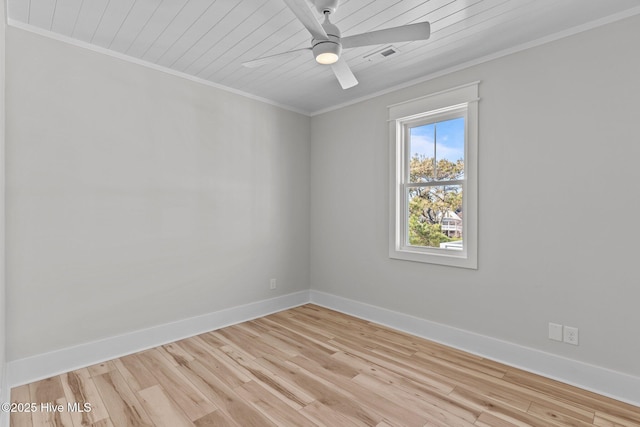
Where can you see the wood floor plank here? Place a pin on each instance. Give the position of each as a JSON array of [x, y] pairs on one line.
[[47, 390], [392, 365], [327, 394], [22, 417], [488, 402], [55, 415], [244, 340], [603, 419], [288, 391], [81, 390], [217, 419], [121, 403], [324, 416], [179, 389], [216, 360], [303, 339], [135, 373], [441, 409], [175, 354], [570, 393], [463, 367], [101, 368], [310, 366], [559, 407], [212, 339], [487, 419], [52, 410], [161, 409], [496, 411], [336, 324], [376, 403], [312, 350], [462, 376], [102, 423], [222, 396], [292, 323], [468, 361], [271, 406], [556, 416]]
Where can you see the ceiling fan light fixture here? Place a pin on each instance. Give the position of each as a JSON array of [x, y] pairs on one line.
[[326, 52], [327, 58]]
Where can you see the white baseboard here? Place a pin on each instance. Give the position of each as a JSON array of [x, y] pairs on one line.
[[600, 380], [34, 368]]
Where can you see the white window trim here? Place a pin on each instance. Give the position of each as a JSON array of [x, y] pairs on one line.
[[421, 108]]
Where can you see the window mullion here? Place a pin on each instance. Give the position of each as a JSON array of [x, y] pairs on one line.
[[435, 183]]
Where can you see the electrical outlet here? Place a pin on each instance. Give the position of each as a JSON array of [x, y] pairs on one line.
[[571, 335], [555, 332], [272, 284]]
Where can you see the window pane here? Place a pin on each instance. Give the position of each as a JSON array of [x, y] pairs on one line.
[[421, 149], [436, 151], [435, 217], [450, 149]]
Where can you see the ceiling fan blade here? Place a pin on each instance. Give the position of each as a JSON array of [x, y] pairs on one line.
[[301, 9], [343, 73], [272, 58], [405, 33]]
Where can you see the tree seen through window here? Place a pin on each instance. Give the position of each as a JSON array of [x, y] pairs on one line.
[[436, 168]]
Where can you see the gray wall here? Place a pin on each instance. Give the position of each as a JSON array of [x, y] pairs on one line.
[[136, 198], [2, 219], [558, 236]]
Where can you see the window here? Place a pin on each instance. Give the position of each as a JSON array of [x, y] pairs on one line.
[[433, 212]]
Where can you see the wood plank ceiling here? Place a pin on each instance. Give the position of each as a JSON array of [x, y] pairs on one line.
[[210, 39]]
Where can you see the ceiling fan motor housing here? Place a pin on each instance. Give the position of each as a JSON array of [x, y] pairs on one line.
[[326, 6], [331, 46]]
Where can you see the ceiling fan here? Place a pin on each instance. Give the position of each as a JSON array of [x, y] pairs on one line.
[[327, 43]]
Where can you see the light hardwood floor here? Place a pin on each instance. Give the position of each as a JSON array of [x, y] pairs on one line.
[[311, 366]]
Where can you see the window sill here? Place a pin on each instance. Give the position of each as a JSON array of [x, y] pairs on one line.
[[448, 258]]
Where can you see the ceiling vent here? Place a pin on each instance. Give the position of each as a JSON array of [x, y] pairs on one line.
[[381, 54]]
